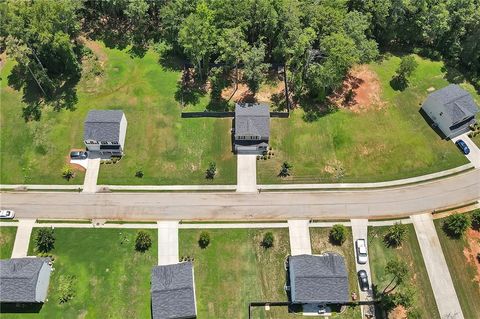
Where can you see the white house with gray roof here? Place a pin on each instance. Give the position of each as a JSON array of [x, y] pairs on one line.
[[105, 131], [318, 279], [252, 128], [173, 291], [24, 280], [452, 110]]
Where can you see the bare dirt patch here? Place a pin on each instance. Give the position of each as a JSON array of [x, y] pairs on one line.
[[360, 91], [398, 312], [473, 250]]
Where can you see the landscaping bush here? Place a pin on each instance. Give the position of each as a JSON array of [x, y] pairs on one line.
[[45, 240], [139, 173], [395, 235], [268, 240], [476, 219], [338, 234], [285, 169], [143, 241], [211, 171], [204, 240], [66, 288], [67, 172], [456, 225]]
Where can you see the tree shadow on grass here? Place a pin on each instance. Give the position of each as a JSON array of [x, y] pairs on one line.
[[190, 89], [399, 83], [315, 110]]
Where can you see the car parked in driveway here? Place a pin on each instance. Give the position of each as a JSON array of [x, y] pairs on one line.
[[463, 147], [362, 255], [363, 280], [78, 155], [6, 214]]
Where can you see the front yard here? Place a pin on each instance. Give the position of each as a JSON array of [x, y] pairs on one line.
[[7, 239]]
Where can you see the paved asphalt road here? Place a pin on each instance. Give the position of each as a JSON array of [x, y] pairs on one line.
[[406, 200]]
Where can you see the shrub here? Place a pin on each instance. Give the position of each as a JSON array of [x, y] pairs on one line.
[[139, 173], [45, 240], [396, 235], [67, 172], [338, 234], [143, 241], [285, 169], [204, 240], [456, 225], [476, 220], [211, 171], [268, 240], [66, 288]]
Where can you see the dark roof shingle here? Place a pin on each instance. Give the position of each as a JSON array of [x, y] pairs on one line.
[[252, 120], [103, 125]]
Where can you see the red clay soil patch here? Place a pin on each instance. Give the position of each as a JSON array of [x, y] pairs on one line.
[[473, 250], [398, 312], [360, 91], [243, 94]]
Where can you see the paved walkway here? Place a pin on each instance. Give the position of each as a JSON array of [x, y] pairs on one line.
[[167, 242], [299, 233], [91, 175], [474, 156], [437, 269], [22, 238], [246, 173]]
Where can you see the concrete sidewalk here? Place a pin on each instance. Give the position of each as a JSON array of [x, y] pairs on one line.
[[22, 238], [167, 242], [91, 176], [246, 173], [437, 269], [299, 233]]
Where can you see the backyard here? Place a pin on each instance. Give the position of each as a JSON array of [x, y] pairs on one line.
[[464, 268], [7, 238], [111, 278], [409, 252]]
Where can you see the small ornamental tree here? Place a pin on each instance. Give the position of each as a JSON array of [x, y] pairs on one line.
[[398, 270], [338, 234], [396, 235], [66, 288], [143, 241], [404, 71], [68, 173], [45, 240], [456, 225], [285, 169], [211, 171], [476, 220], [268, 240], [204, 240]]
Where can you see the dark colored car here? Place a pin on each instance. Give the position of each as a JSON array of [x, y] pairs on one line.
[[463, 147], [363, 280], [78, 155]]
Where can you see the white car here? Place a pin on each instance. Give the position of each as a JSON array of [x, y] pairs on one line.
[[362, 256], [6, 214]]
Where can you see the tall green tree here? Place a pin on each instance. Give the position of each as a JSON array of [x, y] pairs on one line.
[[255, 67], [398, 270]]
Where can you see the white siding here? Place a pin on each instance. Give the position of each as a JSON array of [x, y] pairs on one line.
[[123, 132], [42, 283]]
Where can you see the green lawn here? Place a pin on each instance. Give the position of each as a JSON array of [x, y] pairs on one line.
[[411, 254], [169, 149], [463, 272], [235, 270], [112, 279], [7, 238], [377, 145]]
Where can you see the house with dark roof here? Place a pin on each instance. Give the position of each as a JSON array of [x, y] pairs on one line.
[[105, 131], [252, 128], [451, 109], [24, 280], [173, 291], [318, 279]]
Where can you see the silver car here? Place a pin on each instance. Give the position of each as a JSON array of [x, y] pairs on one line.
[[362, 255], [6, 214]]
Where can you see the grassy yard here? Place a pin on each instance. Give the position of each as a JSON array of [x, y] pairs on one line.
[[7, 238], [389, 143], [112, 279], [169, 149], [463, 271], [411, 254], [235, 270]]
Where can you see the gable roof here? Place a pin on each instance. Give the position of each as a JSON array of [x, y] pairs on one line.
[[318, 279], [18, 279], [252, 120], [173, 291], [103, 125]]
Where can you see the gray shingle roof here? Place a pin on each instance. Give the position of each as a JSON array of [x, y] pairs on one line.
[[318, 279], [18, 279], [172, 291], [103, 125], [252, 120]]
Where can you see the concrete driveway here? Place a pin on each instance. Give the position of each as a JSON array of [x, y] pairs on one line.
[[167, 242], [474, 156], [22, 238], [299, 237], [91, 175], [246, 173]]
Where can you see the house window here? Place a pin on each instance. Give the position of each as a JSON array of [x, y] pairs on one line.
[[104, 143]]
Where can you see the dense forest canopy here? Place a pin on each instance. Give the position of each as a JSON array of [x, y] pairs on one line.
[[318, 40]]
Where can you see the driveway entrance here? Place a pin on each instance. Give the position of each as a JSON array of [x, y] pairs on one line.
[[246, 173]]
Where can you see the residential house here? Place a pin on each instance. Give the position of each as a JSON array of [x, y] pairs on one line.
[[104, 132], [252, 128]]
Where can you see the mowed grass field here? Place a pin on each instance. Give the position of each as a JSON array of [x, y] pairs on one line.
[[235, 270], [167, 148], [463, 271], [387, 143], [7, 239], [112, 279], [411, 254]]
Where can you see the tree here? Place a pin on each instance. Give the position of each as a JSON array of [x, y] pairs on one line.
[[255, 67], [404, 71], [45, 240], [285, 169], [456, 225], [476, 219], [396, 235], [67, 172], [268, 240], [211, 171], [143, 241], [204, 239], [66, 288], [338, 234], [398, 269]]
